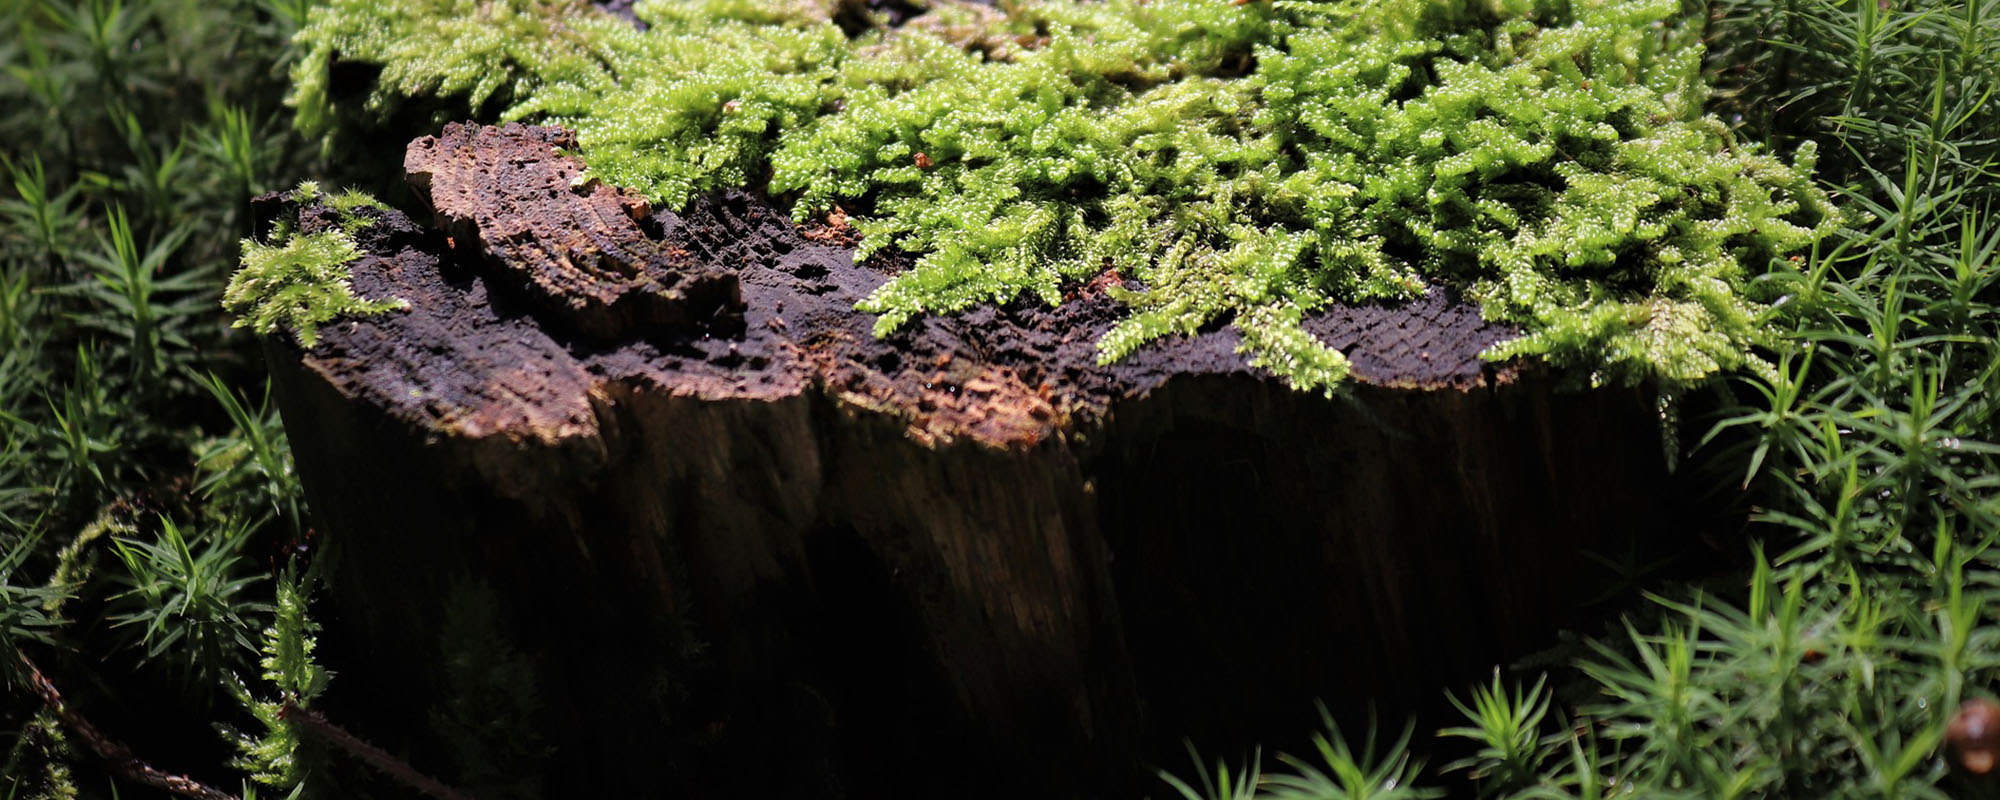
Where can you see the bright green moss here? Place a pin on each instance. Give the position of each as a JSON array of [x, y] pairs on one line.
[[446, 47], [1248, 164], [352, 200], [300, 281]]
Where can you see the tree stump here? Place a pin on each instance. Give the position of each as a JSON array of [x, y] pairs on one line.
[[748, 549]]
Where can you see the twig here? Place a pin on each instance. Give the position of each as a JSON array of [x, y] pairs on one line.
[[376, 757], [115, 754]]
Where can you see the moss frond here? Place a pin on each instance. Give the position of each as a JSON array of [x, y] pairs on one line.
[[300, 281]]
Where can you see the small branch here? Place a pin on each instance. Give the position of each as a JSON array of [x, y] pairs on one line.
[[116, 755], [376, 757]]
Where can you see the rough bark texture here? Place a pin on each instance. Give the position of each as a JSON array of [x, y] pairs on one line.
[[752, 550], [583, 260]]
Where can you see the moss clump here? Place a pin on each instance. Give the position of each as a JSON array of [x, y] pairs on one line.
[[300, 280], [1248, 164]]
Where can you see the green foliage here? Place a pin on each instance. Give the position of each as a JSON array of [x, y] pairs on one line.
[[1341, 774], [1247, 163], [36, 764], [132, 306], [1199, 146], [300, 281], [1834, 667], [43, 221], [1348, 775], [1794, 695], [1875, 439], [1220, 785], [249, 470], [477, 49], [132, 135], [24, 615], [279, 756], [1808, 688], [188, 601], [348, 203], [85, 435], [1507, 728]]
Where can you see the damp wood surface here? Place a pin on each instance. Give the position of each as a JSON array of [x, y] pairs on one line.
[[908, 565]]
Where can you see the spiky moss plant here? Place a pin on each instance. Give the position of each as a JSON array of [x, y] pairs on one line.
[[279, 757], [1246, 163], [133, 133], [300, 280]]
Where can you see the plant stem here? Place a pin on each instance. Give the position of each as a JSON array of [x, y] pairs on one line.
[[376, 757], [116, 755]]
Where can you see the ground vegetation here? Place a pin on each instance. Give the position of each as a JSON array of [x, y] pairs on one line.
[[1811, 243]]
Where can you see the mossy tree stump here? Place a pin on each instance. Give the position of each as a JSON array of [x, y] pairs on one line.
[[750, 549]]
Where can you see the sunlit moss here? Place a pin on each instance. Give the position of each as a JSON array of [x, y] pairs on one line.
[[299, 281], [1246, 164]]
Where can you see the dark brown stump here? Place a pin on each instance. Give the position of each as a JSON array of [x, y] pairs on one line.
[[752, 550]]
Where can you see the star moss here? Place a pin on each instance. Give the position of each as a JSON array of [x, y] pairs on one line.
[[1247, 164]]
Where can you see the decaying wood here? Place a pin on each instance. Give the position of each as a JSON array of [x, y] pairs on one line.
[[763, 552], [583, 259]]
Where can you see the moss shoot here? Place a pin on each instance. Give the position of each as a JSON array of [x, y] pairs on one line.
[[299, 281], [1246, 163]]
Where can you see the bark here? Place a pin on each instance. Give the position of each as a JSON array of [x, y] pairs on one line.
[[750, 549]]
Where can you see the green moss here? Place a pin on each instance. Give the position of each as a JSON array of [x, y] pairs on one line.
[[1248, 164], [350, 202], [444, 47], [300, 280]]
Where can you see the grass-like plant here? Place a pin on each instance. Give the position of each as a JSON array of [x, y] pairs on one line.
[[1222, 783], [188, 602], [252, 464], [1248, 164], [1375, 772], [1507, 726], [132, 135], [24, 616], [142, 308]]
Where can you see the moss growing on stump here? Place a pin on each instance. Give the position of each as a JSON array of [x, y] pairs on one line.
[[1245, 163], [298, 280]]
